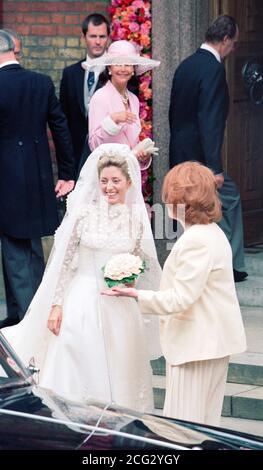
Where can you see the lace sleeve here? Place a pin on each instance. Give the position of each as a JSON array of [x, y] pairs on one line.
[[68, 265]]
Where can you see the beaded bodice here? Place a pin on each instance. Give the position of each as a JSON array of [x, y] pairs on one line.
[[100, 232], [106, 228]]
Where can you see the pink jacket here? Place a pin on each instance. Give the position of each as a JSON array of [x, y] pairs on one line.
[[102, 129]]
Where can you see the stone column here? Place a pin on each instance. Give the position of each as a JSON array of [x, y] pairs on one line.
[[178, 29]]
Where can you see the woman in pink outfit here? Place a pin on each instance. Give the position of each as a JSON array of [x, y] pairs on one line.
[[113, 109]]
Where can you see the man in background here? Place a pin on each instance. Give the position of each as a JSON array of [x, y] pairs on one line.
[[28, 208], [78, 85], [198, 111]]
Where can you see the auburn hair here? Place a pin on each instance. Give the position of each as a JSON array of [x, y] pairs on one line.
[[194, 185]]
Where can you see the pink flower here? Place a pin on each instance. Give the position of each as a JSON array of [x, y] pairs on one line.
[[145, 90], [138, 4], [145, 40], [144, 176], [146, 27], [143, 112], [134, 27], [131, 20]]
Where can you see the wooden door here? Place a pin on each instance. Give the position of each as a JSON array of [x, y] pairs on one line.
[[243, 146]]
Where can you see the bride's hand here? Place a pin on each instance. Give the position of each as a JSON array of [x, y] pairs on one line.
[[55, 319], [121, 292]]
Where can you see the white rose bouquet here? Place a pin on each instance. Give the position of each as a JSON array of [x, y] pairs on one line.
[[123, 269]]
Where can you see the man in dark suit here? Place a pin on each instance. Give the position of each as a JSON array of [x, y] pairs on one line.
[[198, 112], [77, 85], [28, 208]]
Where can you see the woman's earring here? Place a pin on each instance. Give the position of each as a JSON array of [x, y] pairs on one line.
[[109, 72]]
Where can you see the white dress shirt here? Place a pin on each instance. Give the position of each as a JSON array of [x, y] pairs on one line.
[[212, 50], [9, 62], [88, 93]]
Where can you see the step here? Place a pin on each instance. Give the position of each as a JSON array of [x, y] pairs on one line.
[[254, 260], [250, 291], [246, 368], [249, 426], [243, 368], [240, 401]]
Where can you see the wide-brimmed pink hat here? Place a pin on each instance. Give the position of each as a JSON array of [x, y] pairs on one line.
[[123, 53]]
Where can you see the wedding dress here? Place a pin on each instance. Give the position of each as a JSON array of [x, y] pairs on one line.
[[101, 350], [104, 345]]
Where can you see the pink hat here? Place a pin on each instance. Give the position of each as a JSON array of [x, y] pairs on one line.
[[123, 53]]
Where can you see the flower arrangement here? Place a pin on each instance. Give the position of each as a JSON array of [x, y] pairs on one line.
[[123, 269], [131, 20]]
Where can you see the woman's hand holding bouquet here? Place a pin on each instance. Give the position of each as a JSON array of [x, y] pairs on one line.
[[122, 270]]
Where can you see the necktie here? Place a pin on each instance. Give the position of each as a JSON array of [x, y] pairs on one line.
[[91, 79]]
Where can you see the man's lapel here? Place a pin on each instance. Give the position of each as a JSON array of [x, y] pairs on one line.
[[79, 83]]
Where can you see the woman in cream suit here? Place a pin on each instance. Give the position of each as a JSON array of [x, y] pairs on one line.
[[200, 318]]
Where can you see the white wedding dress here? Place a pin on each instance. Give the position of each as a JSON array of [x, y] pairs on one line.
[[101, 351]]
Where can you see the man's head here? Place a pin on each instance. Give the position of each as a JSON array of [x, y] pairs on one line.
[[7, 47], [6, 42], [17, 42], [222, 35], [96, 31]]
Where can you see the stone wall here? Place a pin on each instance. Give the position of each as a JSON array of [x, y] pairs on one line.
[[178, 29]]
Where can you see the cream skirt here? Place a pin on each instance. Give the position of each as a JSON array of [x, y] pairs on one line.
[[195, 390]]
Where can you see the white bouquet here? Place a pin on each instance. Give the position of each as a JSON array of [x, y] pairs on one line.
[[123, 269]]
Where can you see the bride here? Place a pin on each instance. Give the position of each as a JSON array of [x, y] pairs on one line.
[[87, 345]]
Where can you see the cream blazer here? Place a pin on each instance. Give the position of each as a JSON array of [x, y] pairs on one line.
[[200, 314]]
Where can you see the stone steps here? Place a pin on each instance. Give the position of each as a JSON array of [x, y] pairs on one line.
[[248, 426], [250, 291], [244, 369], [240, 401], [254, 260]]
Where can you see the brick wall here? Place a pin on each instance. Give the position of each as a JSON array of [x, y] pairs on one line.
[[51, 31]]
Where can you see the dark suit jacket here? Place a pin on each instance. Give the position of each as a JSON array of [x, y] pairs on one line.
[[198, 111], [28, 207], [72, 101]]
